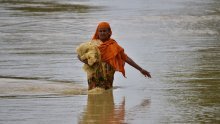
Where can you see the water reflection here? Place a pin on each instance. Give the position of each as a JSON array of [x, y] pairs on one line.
[[101, 109]]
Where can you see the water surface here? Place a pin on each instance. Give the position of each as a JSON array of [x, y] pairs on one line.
[[41, 80]]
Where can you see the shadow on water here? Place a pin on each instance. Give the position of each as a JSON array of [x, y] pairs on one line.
[[46, 6]]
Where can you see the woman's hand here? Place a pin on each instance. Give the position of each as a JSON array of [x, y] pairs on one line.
[[145, 73], [132, 63]]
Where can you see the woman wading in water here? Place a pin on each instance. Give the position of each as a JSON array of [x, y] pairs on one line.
[[113, 59]]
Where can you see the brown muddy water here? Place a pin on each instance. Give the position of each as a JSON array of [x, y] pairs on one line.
[[178, 41]]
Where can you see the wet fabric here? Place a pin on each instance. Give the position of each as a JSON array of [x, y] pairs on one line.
[[103, 77]]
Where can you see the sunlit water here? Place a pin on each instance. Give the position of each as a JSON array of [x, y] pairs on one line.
[[177, 41]]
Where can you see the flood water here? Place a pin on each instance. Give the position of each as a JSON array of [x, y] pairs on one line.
[[42, 81]]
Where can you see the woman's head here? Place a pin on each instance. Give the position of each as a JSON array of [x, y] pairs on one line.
[[103, 32]]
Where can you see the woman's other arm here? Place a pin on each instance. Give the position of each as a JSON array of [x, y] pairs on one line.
[[133, 64]]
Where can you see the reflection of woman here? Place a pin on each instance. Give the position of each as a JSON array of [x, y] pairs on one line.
[[101, 109], [113, 59]]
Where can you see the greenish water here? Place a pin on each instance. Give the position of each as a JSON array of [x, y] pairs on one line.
[[42, 81]]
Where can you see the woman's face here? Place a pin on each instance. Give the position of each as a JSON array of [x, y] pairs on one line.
[[104, 34]]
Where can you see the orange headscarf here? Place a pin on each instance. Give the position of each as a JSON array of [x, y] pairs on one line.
[[102, 25], [111, 52]]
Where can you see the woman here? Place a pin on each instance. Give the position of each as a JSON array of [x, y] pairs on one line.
[[113, 59]]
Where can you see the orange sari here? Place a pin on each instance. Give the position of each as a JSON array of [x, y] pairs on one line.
[[113, 54]]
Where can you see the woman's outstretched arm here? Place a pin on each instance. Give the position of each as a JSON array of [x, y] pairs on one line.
[[133, 64]]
